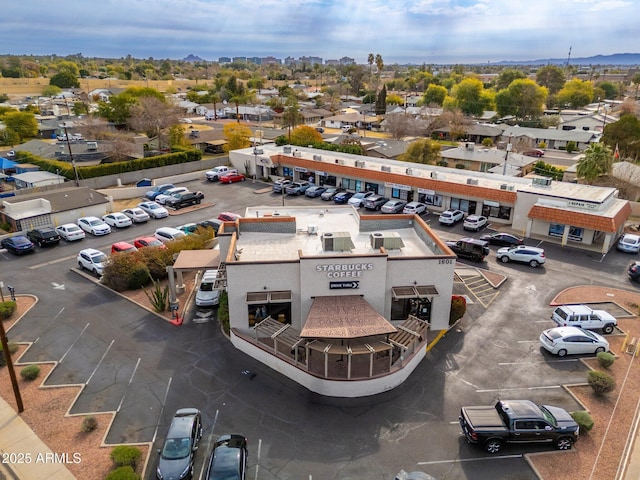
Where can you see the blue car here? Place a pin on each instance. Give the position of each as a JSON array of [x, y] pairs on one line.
[[18, 244], [157, 190], [342, 197]]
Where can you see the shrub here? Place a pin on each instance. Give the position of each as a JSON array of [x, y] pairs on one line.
[[159, 297], [7, 309], [583, 419], [487, 142], [460, 166], [123, 473], [30, 372], [571, 146], [458, 308], [13, 348], [606, 359], [601, 382], [125, 455], [138, 276], [89, 423], [223, 311]]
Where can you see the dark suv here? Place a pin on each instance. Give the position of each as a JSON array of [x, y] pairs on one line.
[[183, 437], [228, 458], [634, 271], [375, 202], [43, 236]]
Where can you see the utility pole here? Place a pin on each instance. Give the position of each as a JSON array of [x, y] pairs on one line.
[[73, 163], [506, 157], [12, 372]]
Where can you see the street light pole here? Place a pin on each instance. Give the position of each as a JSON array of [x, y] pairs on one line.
[[12, 372]]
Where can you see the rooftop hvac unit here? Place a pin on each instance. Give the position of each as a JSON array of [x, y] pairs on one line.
[[510, 188], [297, 154], [258, 151], [339, 161], [434, 175], [472, 181], [312, 229], [317, 157], [359, 163], [543, 182], [337, 242], [385, 168], [409, 171], [503, 186], [469, 146], [287, 149], [388, 240]]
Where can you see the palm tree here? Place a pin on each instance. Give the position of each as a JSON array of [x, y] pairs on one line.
[[214, 97], [370, 61], [597, 161]]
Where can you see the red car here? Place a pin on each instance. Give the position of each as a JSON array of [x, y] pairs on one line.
[[120, 247], [232, 177], [228, 217], [143, 242]]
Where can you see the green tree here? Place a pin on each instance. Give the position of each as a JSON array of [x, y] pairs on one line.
[[370, 60], [238, 135], [24, 124], [636, 82], [434, 95], [552, 77], [507, 76], [523, 98], [576, 94], [379, 63], [610, 90], [425, 151], [51, 91], [597, 161], [64, 80], [468, 96], [68, 67], [291, 115], [117, 109], [625, 134], [381, 101]]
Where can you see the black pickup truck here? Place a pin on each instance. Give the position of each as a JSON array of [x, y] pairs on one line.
[[184, 199], [518, 421], [470, 248]]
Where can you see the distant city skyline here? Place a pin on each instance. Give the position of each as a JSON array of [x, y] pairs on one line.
[[422, 31]]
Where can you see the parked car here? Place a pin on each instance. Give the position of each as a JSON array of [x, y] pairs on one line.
[[393, 206], [534, 152], [143, 242], [94, 226], [417, 208], [43, 236], [188, 228], [563, 341], [342, 197], [315, 191], [629, 243], [583, 316], [180, 445], [117, 219], [157, 190], [357, 200], [280, 184], [450, 217], [136, 214], [319, 129], [163, 197], [167, 234], [92, 260], [533, 256], [121, 247], [184, 199], [232, 178], [329, 193], [216, 172], [154, 210], [518, 421], [471, 248], [211, 223], [70, 232], [501, 239], [18, 244], [634, 271], [375, 202], [207, 295], [228, 459], [474, 222], [229, 217], [297, 188]]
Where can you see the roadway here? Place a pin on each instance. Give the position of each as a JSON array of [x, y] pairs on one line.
[[145, 369]]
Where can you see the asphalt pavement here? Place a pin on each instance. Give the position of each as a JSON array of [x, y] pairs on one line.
[[145, 368]]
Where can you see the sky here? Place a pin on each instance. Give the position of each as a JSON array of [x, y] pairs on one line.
[[421, 31]]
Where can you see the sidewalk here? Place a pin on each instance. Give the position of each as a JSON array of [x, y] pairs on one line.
[[24, 455]]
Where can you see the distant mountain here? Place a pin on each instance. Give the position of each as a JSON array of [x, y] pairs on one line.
[[615, 59], [192, 58]]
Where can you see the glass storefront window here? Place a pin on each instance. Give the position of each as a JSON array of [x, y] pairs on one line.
[[496, 212], [371, 187], [467, 206], [435, 200]]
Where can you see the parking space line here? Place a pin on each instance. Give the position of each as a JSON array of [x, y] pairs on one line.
[[128, 384], [258, 459], [50, 323], [538, 361], [99, 362], [52, 262], [74, 342], [479, 459], [164, 400], [542, 387]]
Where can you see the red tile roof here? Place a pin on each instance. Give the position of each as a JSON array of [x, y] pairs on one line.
[[582, 219]]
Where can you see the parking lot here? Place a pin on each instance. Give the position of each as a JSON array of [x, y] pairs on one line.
[[145, 369]]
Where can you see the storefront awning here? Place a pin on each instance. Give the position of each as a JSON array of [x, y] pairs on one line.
[[344, 317], [418, 291]]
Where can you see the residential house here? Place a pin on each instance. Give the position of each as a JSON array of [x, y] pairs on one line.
[[526, 137], [468, 156]]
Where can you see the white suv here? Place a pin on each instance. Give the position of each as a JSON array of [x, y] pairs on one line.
[[92, 260], [207, 294], [534, 256], [584, 317], [450, 217]]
